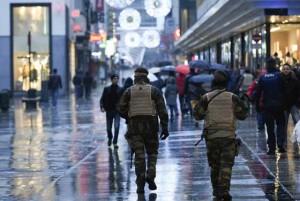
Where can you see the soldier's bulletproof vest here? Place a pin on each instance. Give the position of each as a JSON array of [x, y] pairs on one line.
[[219, 114], [141, 103]]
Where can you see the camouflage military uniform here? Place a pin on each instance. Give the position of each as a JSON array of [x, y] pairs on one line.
[[220, 116], [143, 132]]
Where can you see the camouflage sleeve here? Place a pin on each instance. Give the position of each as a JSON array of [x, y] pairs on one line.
[[161, 108], [200, 108], [123, 104], [240, 108]]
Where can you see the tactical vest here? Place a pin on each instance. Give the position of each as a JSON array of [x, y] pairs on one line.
[[141, 103], [219, 114]]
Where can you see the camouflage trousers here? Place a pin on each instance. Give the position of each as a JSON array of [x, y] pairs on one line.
[[220, 155], [143, 144]]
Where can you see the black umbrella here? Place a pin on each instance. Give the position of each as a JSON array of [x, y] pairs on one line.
[[202, 78], [200, 64], [168, 68]]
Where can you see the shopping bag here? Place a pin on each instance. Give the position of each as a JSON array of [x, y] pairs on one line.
[[296, 133]]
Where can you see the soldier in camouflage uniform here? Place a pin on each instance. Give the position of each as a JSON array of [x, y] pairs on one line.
[[141, 105], [220, 110]]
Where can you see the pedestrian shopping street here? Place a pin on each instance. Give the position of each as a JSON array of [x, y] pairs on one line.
[[61, 154]]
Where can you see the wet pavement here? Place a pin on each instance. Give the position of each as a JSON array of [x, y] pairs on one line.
[[62, 154]]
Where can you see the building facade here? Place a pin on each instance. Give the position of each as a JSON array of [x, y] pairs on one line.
[[34, 39], [242, 32]]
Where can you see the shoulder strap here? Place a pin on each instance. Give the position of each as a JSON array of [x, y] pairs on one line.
[[215, 96]]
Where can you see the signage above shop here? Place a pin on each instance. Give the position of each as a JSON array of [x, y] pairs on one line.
[[95, 37], [76, 28], [75, 13], [256, 37]]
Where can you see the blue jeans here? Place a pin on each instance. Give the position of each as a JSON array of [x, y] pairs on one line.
[[54, 94], [260, 120], [78, 91], [173, 109], [272, 117], [293, 110], [112, 117]]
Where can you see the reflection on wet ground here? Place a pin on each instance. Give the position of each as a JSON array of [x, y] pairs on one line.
[[62, 154]]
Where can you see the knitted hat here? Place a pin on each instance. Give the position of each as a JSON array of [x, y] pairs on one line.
[[140, 71]]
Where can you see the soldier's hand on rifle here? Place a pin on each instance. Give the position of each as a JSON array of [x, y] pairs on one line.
[[164, 134]]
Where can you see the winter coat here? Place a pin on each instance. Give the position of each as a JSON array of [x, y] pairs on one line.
[[180, 83], [292, 90], [171, 94], [272, 87]]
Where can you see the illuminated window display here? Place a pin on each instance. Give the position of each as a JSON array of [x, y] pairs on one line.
[[285, 40], [30, 47]]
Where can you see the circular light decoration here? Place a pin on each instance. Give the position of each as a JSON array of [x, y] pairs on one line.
[[130, 19], [132, 39], [158, 8], [151, 38], [119, 3]]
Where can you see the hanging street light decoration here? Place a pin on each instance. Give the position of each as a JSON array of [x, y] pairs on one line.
[[151, 38], [158, 8], [119, 3], [130, 19], [132, 39]]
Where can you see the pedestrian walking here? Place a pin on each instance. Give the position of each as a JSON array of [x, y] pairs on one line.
[[237, 79], [220, 110], [293, 94], [271, 87], [187, 89], [108, 103], [171, 97], [54, 85], [87, 83], [251, 92], [77, 82], [127, 83], [247, 80], [141, 105], [180, 85]]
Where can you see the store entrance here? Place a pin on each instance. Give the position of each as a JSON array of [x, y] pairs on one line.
[[285, 43], [30, 38]]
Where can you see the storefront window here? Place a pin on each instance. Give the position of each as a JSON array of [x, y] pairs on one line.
[[237, 54], [285, 41], [226, 53], [255, 52], [213, 54], [30, 53]]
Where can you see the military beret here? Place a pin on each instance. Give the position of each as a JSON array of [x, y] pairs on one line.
[[141, 71]]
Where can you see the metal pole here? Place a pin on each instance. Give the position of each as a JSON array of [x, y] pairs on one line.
[[29, 58]]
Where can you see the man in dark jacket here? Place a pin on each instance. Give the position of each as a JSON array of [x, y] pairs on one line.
[[220, 110], [108, 103], [272, 88], [141, 105], [87, 82], [54, 85]]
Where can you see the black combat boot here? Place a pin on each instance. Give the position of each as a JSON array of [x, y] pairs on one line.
[[215, 192], [226, 197], [152, 185]]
